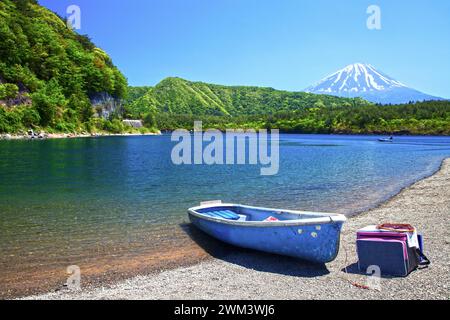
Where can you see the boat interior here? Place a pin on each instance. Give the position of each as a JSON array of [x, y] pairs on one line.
[[238, 213]]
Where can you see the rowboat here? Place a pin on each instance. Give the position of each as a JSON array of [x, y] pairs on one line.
[[305, 235], [389, 140]]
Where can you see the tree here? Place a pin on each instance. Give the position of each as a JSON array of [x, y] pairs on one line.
[[150, 120], [30, 117], [8, 91], [47, 100]]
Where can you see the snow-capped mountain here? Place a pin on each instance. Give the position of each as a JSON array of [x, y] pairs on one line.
[[363, 80]]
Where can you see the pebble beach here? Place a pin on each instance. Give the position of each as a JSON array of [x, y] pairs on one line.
[[43, 136], [242, 274]]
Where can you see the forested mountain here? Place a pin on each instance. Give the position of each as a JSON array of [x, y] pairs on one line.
[[423, 118], [179, 96], [48, 73], [177, 103]]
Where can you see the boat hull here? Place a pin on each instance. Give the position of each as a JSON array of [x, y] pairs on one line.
[[313, 242]]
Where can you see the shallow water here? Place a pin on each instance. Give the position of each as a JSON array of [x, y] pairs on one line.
[[73, 200]]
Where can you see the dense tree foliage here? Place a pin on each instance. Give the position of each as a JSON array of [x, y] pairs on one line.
[[179, 96], [427, 118], [8, 91], [52, 68], [177, 103]]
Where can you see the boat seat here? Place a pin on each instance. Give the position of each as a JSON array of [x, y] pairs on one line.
[[224, 214], [242, 217]]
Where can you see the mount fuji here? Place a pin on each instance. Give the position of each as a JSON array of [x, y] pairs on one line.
[[363, 80]]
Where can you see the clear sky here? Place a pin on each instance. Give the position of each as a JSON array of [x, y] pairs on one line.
[[282, 44]]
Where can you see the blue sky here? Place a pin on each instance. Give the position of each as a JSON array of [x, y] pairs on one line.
[[282, 44]]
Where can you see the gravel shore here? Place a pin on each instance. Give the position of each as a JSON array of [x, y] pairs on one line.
[[241, 274], [45, 136]]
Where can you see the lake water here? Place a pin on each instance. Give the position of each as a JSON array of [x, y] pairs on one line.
[[67, 201]]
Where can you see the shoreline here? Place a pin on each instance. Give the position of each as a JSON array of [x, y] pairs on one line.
[[234, 273], [394, 194], [53, 136], [8, 136]]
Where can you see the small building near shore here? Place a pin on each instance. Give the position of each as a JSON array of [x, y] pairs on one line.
[[133, 123]]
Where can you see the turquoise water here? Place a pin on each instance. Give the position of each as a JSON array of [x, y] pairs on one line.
[[66, 200]]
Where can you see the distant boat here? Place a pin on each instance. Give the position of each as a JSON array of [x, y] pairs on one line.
[[305, 235], [390, 139]]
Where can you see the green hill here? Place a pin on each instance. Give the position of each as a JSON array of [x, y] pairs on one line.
[[179, 96], [48, 73]]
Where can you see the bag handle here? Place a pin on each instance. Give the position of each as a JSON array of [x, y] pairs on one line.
[[396, 227]]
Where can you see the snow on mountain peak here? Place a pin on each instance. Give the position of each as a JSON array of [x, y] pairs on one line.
[[355, 78]]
